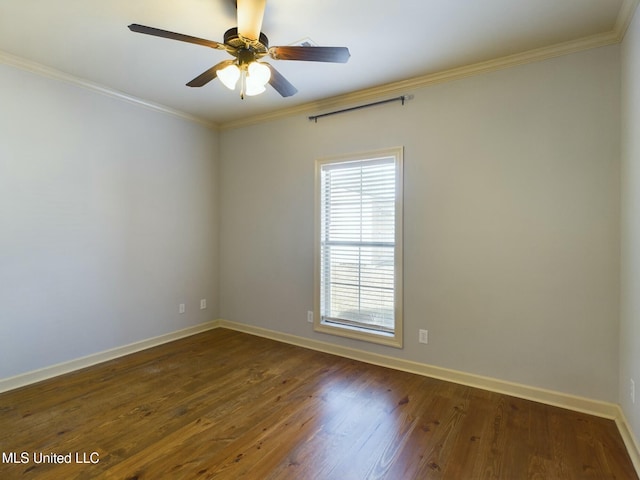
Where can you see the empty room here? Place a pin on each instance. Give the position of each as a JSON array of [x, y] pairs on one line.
[[273, 239]]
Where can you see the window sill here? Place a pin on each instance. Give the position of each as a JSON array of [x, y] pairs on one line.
[[357, 333]]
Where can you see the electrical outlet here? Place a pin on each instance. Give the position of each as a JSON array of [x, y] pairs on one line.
[[632, 390], [181, 308], [310, 316], [203, 304], [423, 336]]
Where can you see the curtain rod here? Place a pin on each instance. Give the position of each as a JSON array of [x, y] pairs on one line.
[[401, 98]]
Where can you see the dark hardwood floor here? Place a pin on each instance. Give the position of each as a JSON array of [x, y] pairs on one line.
[[228, 405]]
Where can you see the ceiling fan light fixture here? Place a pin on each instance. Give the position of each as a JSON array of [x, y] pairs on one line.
[[229, 76], [247, 44]]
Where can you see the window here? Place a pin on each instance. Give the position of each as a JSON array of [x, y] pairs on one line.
[[359, 247]]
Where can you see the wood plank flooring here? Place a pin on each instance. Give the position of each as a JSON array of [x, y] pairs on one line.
[[228, 405]]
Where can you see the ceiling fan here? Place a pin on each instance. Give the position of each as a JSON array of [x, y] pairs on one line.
[[248, 45]]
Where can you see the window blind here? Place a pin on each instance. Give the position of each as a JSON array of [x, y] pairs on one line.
[[357, 247]]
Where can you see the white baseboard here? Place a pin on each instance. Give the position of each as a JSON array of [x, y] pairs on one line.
[[597, 408], [633, 447], [34, 376], [548, 397]]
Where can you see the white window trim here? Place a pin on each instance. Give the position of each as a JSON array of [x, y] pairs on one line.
[[394, 339]]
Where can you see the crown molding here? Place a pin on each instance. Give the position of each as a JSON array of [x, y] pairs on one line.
[[403, 86], [52, 73], [616, 35], [625, 16]]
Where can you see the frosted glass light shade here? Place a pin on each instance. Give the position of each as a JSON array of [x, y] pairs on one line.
[[259, 73], [253, 88], [229, 76]]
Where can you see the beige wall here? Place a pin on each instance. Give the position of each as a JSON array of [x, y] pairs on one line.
[[511, 221], [108, 220], [630, 285]]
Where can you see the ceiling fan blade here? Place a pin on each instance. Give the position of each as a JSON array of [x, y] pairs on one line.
[[250, 13], [209, 75], [134, 27], [311, 54], [279, 83]]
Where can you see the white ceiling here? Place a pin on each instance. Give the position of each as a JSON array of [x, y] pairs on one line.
[[389, 41]]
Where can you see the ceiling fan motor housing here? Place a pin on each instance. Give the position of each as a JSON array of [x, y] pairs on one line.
[[234, 40]]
